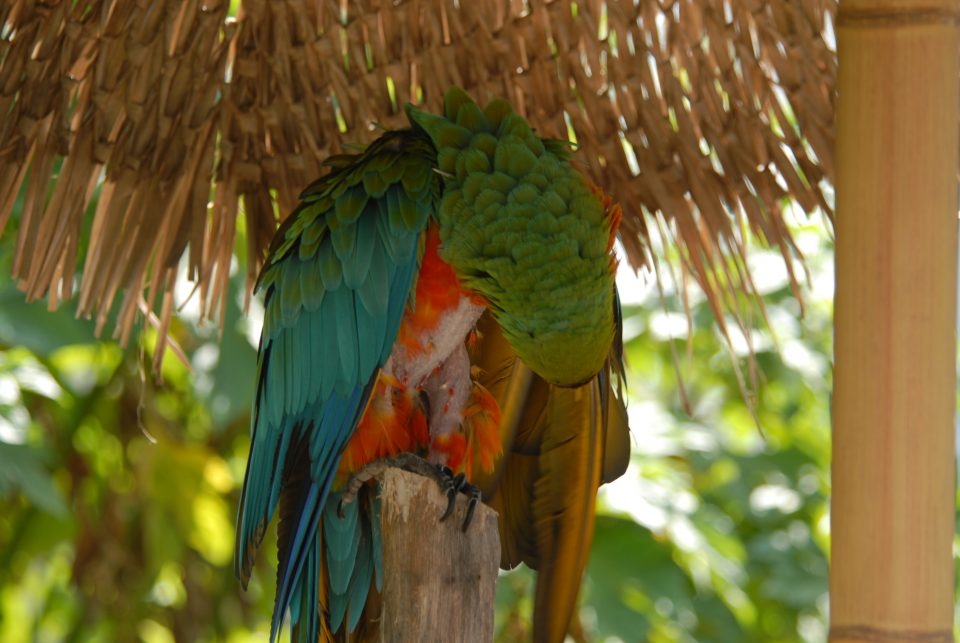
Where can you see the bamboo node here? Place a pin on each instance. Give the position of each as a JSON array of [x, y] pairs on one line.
[[878, 18], [857, 633]]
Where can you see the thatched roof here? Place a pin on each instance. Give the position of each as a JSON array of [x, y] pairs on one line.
[[699, 116]]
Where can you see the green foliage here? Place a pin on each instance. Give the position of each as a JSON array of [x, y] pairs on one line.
[[724, 511], [118, 494]]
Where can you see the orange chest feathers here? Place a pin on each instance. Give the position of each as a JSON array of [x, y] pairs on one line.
[[404, 414]]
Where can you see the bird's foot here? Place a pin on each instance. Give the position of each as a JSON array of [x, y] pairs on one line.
[[450, 484]]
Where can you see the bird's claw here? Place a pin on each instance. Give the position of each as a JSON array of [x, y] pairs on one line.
[[448, 487], [450, 484]]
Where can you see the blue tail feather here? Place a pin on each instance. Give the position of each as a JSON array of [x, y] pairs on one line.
[[289, 577], [360, 582], [304, 616], [298, 572], [353, 554], [340, 535]]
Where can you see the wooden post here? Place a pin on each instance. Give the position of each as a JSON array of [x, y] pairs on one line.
[[895, 319], [439, 582]]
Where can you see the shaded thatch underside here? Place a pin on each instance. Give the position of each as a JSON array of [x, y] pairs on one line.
[[699, 116]]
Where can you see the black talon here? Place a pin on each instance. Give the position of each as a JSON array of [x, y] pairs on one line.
[[340, 513], [451, 503], [447, 487], [471, 507], [473, 494]]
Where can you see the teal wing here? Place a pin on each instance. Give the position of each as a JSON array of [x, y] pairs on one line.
[[335, 286]]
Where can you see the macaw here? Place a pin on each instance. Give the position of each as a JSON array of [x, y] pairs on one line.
[[373, 291]]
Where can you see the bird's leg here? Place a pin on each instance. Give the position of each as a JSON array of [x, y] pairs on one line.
[[450, 484]]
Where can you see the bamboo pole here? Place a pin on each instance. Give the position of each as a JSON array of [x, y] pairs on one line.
[[439, 582], [895, 319]]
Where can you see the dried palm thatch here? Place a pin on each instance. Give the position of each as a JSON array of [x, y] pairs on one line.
[[700, 116]]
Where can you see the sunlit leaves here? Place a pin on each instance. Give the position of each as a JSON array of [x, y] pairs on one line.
[[116, 506]]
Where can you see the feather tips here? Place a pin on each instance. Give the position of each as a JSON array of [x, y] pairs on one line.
[[353, 551], [563, 504]]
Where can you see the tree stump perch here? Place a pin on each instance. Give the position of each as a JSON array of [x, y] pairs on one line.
[[439, 582]]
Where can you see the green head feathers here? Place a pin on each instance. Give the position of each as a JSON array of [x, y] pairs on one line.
[[526, 231]]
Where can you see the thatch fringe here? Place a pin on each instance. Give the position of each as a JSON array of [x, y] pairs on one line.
[[707, 113]]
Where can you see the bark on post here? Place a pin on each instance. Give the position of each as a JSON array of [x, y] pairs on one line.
[[439, 582], [894, 381]]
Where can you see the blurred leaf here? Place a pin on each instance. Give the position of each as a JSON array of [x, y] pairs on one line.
[[629, 570], [34, 327], [234, 378], [22, 468]]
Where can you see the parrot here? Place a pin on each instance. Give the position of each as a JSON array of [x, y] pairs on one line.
[[447, 293]]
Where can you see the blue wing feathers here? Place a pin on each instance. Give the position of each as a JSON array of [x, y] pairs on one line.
[[289, 571], [273, 378], [360, 582], [293, 374], [338, 412], [350, 204], [291, 300], [303, 612], [374, 184], [392, 172], [346, 323], [341, 542], [353, 551], [310, 241], [356, 268], [383, 225], [331, 353], [335, 286], [311, 288], [395, 206], [311, 369], [329, 265], [373, 292], [344, 240], [367, 353]]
